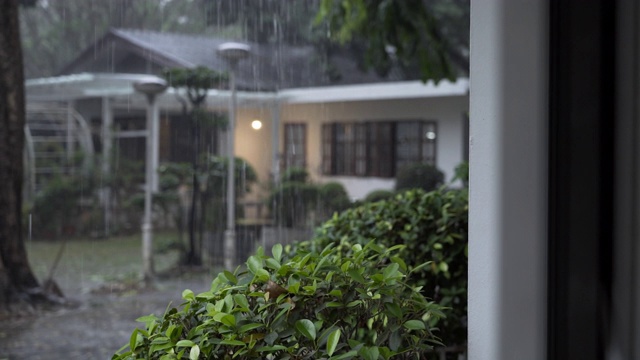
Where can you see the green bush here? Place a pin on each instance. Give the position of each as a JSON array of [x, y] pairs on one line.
[[333, 198], [433, 227], [293, 202], [294, 199], [295, 174], [419, 176], [377, 195], [311, 306], [461, 172]]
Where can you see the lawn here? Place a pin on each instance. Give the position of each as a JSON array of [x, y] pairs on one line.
[[90, 263], [103, 320]]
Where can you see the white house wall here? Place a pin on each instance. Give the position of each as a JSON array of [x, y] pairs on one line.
[[255, 145], [448, 112]]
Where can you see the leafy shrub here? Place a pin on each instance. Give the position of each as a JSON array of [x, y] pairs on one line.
[[294, 199], [433, 227], [377, 195], [293, 203], [461, 172], [64, 206], [419, 176], [311, 306], [295, 174], [333, 198]]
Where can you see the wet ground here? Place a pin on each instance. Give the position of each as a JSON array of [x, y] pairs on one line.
[[96, 328]]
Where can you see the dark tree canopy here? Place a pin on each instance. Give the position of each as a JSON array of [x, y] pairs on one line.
[[430, 37]]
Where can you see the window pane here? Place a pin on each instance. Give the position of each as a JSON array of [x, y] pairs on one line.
[[408, 143], [295, 145], [381, 149], [327, 149], [429, 137], [360, 149]]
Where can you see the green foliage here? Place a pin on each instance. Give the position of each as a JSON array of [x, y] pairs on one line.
[[295, 174], [378, 195], [197, 81], [293, 202], [419, 176], [214, 175], [296, 199], [327, 305], [407, 33], [56, 206], [432, 226], [333, 198], [462, 173]]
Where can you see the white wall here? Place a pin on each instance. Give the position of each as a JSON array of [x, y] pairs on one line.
[[508, 192], [448, 112]]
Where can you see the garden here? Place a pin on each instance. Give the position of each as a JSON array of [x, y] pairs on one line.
[[383, 278]]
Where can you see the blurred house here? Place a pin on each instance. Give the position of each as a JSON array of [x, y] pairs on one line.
[[343, 125]]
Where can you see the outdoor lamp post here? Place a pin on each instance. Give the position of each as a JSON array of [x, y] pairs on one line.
[[232, 52], [150, 87]]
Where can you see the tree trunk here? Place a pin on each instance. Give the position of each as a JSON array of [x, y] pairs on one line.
[[17, 281]]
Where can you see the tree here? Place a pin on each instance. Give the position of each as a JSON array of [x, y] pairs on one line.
[[196, 83], [428, 36], [17, 282]]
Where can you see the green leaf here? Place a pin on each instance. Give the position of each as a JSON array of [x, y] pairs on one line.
[[194, 353], [306, 328], [188, 295], [390, 271], [134, 340], [187, 343], [443, 266], [395, 341], [233, 342], [249, 327], [254, 264], [420, 266], [355, 274], [276, 250], [344, 356], [333, 341], [241, 300], [262, 275], [415, 325], [230, 277], [273, 264], [271, 348], [369, 352], [394, 309], [400, 262]]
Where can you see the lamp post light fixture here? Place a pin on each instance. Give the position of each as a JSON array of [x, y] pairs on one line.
[[232, 52], [150, 87]]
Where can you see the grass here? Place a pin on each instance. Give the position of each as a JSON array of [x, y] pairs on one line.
[[89, 263]]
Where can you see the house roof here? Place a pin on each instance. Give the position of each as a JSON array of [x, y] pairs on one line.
[[270, 67], [120, 86]]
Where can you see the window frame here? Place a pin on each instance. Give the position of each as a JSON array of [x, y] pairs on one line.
[[342, 156]]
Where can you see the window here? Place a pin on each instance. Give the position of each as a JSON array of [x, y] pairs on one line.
[[295, 144], [376, 148]]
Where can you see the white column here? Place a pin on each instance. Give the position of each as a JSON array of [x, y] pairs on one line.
[[147, 224], [275, 142], [508, 180], [155, 144], [230, 232], [107, 149], [71, 135]]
